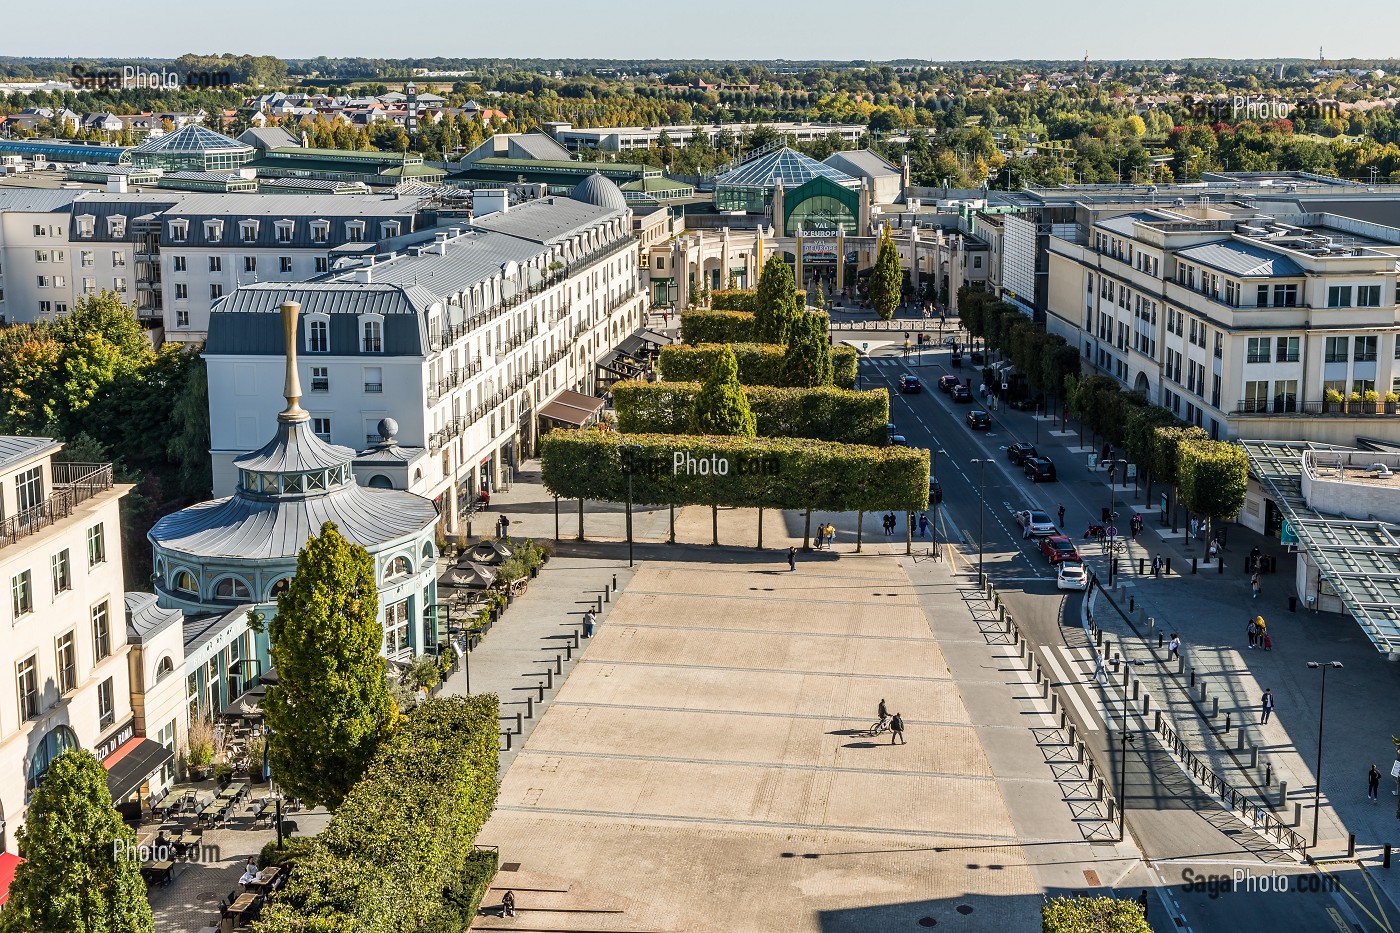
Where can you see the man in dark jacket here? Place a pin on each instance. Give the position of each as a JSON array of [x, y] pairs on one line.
[[897, 729]]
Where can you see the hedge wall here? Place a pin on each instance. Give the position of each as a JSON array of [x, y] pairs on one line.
[[760, 364], [404, 833], [700, 326], [1092, 915], [737, 299], [824, 414], [763, 472]]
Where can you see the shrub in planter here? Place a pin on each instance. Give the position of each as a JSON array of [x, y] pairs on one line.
[[424, 672], [1092, 915]]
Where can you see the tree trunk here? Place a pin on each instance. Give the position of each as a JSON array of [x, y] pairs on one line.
[[673, 525], [580, 519], [860, 527], [760, 528], [714, 526], [807, 532], [908, 532], [556, 519]]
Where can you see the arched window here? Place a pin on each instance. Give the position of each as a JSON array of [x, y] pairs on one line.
[[279, 587], [164, 667], [59, 740], [232, 588], [185, 582], [380, 481], [428, 551], [398, 568], [418, 476]]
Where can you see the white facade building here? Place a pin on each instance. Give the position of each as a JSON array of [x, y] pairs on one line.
[[66, 650], [36, 280], [461, 339], [625, 138]]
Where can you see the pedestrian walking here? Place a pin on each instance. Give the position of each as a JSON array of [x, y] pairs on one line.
[[1373, 783], [830, 535], [1157, 566], [897, 729], [1254, 558], [1174, 646], [1100, 669], [1142, 902], [1253, 631], [590, 619], [821, 535], [1266, 705], [792, 559], [1254, 584], [923, 525], [1062, 516], [1214, 552]]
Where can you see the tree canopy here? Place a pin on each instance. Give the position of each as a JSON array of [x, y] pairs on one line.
[[887, 278], [776, 305], [330, 708], [721, 407], [808, 361]]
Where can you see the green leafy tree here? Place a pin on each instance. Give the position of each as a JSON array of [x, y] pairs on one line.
[[886, 278], [1092, 915], [1211, 479], [808, 360], [721, 407], [331, 707], [776, 304], [819, 295], [81, 873]]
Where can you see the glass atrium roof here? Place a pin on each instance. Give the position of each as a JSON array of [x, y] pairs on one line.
[[192, 138], [784, 165]]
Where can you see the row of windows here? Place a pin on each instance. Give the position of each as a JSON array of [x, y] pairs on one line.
[[236, 588], [286, 230], [66, 668], [22, 598]]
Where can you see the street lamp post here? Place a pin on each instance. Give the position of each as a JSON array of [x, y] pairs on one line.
[[629, 457], [1123, 771], [981, 518], [1321, 712]]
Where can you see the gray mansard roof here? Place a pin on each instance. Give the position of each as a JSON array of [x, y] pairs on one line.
[[294, 449], [15, 449], [1243, 259], [546, 220], [247, 321]]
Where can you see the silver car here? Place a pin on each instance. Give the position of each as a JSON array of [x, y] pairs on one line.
[[1037, 522], [1072, 576]]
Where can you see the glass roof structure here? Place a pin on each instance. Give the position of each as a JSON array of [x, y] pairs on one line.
[[190, 148], [1359, 559], [784, 165]]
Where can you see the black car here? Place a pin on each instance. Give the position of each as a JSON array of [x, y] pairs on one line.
[[898, 440], [935, 490], [961, 393], [1018, 453], [910, 384], [1040, 469], [946, 383], [979, 420]]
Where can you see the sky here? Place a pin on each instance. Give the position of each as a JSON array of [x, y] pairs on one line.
[[720, 29]]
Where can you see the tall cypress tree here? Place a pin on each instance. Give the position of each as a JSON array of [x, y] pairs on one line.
[[776, 302], [331, 706], [721, 407], [807, 363], [82, 871], [886, 278]]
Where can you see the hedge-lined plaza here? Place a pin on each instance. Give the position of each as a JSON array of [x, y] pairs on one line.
[[760, 364]]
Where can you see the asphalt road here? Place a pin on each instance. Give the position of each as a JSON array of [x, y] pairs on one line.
[[1177, 827]]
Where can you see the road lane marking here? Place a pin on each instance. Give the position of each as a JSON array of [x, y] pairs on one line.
[[1071, 693]]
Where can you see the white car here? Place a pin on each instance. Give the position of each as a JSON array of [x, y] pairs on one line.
[[1037, 521], [1072, 576]]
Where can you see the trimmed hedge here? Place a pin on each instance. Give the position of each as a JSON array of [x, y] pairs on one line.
[[767, 472], [738, 299], [824, 414], [403, 834], [700, 326], [1092, 915], [760, 364]]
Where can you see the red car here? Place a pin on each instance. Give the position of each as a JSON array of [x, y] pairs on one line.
[[1058, 549]]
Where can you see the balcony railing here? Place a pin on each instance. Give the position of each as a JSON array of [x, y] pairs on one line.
[[74, 483], [1341, 409], [374, 387]]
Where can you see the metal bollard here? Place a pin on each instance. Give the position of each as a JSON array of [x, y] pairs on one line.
[[1142, 565], [549, 682], [1351, 845], [1099, 794], [600, 605], [540, 688], [1091, 768], [558, 664], [1002, 609], [1132, 603], [530, 707], [507, 735], [1282, 794], [1098, 637], [1079, 754], [1111, 809], [1297, 813], [1193, 677], [1254, 762], [1227, 723], [1146, 703], [1180, 663], [1193, 565], [1203, 691], [1239, 742], [614, 583], [576, 634], [1385, 861], [519, 721], [1214, 707], [1169, 566], [1220, 566], [568, 652], [1268, 774], [1157, 722], [1054, 702], [1071, 734], [1137, 684], [606, 595], [1161, 639]]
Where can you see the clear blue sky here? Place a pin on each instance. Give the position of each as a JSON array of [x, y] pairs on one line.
[[828, 29]]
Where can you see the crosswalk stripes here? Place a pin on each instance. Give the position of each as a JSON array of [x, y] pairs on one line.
[[1073, 669]]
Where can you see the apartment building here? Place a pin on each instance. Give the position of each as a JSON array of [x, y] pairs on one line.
[[66, 651], [176, 254], [35, 278], [625, 138], [463, 337], [1248, 325]]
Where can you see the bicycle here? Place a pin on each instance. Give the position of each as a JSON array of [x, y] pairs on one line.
[[878, 728]]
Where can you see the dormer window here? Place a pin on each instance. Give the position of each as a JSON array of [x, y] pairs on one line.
[[213, 230], [389, 228], [179, 230], [318, 334], [320, 231], [85, 224], [284, 231], [116, 226], [248, 231], [184, 582], [355, 231], [371, 334]]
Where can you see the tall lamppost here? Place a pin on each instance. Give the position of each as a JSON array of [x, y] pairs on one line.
[[981, 519], [629, 457], [1321, 711], [1128, 739]]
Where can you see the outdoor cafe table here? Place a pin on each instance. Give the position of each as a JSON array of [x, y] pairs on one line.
[[160, 871], [233, 791], [242, 905], [264, 878]]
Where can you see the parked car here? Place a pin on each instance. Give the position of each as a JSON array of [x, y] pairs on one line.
[[1058, 549], [961, 393], [897, 440], [1037, 521], [1040, 469], [1019, 453], [946, 383], [910, 384], [979, 420], [890, 429], [935, 490], [1072, 576]]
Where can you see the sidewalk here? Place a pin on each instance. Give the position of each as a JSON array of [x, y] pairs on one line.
[[1210, 610]]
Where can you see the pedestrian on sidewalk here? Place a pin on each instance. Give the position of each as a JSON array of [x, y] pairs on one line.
[[923, 524], [1253, 632], [1142, 902], [1100, 669], [897, 729], [821, 535], [1062, 517], [589, 620], [792, 559], [1266, 704], [502, 527], [830, 535], [1214, 552], [508, 904], [1254, 584], [1174, 647], [1373, 783], [1157, 566], [1254, 559]]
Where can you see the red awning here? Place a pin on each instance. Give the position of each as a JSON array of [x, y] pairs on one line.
[[8, 863]]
